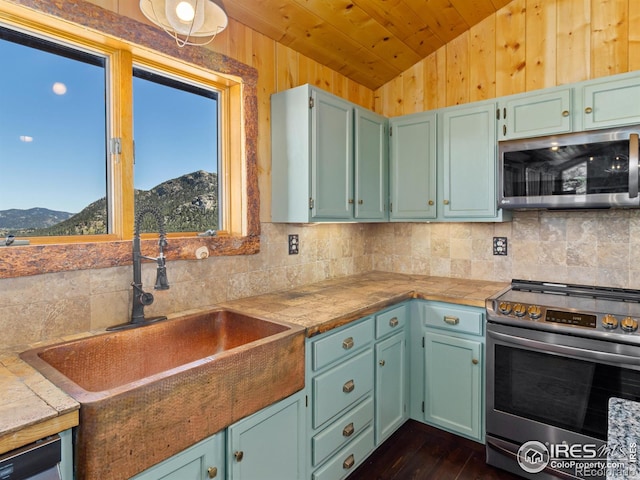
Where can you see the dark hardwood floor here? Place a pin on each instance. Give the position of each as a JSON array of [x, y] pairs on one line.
[[421, 452]]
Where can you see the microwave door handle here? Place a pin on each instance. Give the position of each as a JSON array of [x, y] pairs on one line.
[[633, 165]]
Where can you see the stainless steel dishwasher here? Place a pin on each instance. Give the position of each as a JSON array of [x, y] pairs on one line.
[[37, 461]]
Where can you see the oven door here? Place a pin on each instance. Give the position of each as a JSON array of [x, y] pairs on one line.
[[554, 389]]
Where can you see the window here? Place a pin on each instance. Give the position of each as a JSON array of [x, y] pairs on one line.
[[175, 129], [120, 43], [65, 170], [53, 161]]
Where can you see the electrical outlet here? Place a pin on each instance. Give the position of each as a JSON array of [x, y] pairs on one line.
[[294, 245], [499, 245]]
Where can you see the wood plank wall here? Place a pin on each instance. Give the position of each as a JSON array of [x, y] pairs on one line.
[[526, 45]]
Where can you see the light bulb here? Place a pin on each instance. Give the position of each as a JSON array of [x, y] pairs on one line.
[[185, 11]]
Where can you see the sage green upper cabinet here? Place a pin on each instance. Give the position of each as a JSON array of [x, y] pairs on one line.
[[371, 165], [318, 141], [594, 104], [412, 161], [611, 102], [545, 113], [468, 163]]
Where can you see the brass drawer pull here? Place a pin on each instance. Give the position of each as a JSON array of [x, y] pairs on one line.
[[238, 455], [349, 462], [348, 387], [451, 320], [347, 343], [393, 322], [213, 472], [348, 430]]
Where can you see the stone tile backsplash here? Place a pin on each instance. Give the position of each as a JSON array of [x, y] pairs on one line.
[[591, 247]]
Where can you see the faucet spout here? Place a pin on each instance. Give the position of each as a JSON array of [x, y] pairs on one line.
[[140, 297]]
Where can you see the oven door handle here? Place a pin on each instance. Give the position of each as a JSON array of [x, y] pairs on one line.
[[606, 357]]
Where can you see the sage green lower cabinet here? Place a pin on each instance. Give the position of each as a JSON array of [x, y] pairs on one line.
[[204, 460], [340, 387], [452, 368], [391, 387], [269, 445]]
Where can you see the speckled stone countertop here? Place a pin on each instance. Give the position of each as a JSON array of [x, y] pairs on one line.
[[623, 440], [31, 407]]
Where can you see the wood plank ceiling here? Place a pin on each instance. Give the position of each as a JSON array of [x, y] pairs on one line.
[[368, 41]]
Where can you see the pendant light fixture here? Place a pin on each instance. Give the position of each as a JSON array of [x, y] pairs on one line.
[[188, 22]]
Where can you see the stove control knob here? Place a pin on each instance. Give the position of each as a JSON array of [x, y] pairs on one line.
[[505, 308], [629, 325], [534, 312], [610, 322], [519, 310]]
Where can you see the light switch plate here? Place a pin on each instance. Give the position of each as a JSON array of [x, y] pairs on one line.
[[500, 245]]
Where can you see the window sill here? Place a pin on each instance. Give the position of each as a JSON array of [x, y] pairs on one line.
[[20, 261]]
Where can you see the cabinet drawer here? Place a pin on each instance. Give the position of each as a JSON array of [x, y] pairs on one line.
[[347, 459], [340, 344], [342, 431], [341, 387], [391, 321], [452, 318]]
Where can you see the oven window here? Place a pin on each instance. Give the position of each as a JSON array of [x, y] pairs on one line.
[[563, 392]]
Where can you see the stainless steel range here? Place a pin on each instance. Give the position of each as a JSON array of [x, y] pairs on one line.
[[556, 353]]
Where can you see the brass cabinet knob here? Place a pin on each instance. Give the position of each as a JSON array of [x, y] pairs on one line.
[[381, 363], [348, 430], [565, 113], [347, 343], [588, 110], [446, 202], [430, 203], [349, 462], [360, 202], [349, 386], [212, 472], [351, 201], [393, 322], [238, 456], [474, 361]]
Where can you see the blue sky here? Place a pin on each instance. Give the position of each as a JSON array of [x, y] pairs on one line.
[[52, 139]]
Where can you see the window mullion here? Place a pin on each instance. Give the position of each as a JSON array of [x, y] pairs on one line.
[[121, 121]]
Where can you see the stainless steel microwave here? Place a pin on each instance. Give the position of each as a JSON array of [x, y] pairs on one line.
[[594, 169]]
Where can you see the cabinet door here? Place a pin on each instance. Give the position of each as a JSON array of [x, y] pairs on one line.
[[202, 461], [331, 157], [611, 103], [453, 388], [536, 114], [270, 444], [391, 385], [413, 167], [469, 162], [370, 165]]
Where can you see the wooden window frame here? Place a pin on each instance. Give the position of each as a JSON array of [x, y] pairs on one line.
[[126, 42]]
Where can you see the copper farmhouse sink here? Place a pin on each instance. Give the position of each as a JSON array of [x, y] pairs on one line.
[[148, 393]]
